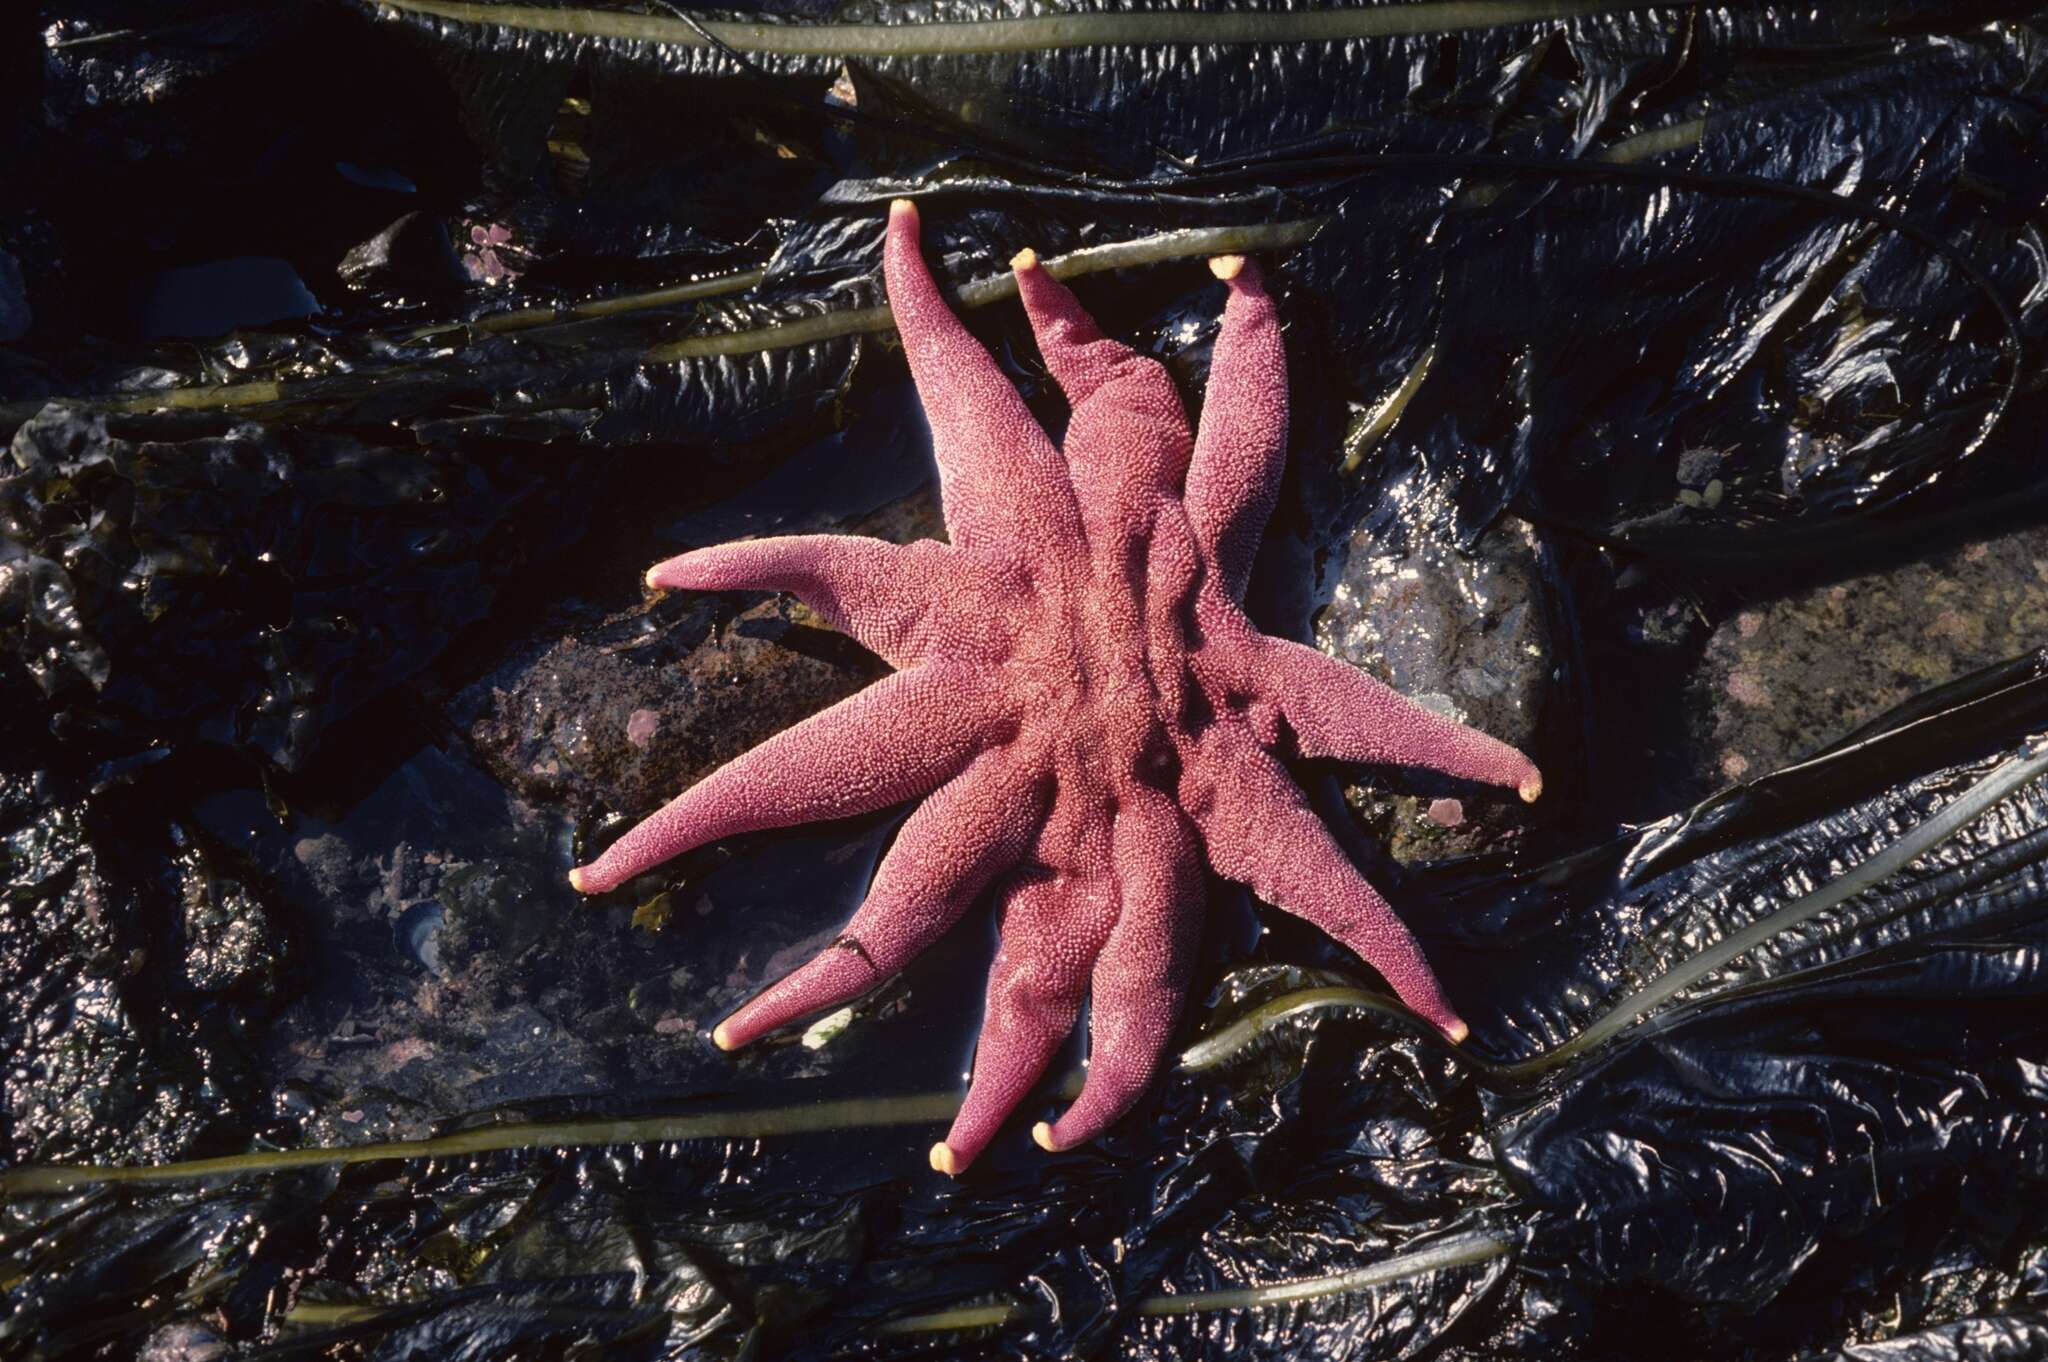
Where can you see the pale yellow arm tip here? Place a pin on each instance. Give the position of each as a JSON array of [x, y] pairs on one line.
[[576, 880], [1041, 1135], [721, 1037], [1026, 259], [1226, 267], [902, 206], [1531, 790], [944, 1160], [1458, 1031]]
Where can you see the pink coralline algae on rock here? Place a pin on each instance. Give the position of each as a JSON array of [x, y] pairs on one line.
[[1080, 702]]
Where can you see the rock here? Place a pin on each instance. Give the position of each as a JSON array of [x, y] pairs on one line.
[[1782, 678], [661, 697], [413, 252], [631, 712], [228, 943], [219, 296], [1465, 635]]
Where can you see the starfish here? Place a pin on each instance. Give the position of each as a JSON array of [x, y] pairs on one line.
[[1080, 702]]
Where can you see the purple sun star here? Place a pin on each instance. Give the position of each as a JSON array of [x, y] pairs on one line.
[[1080, 702]]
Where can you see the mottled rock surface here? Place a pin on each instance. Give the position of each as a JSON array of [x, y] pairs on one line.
[[1785, 677], [646, 703], [414, 251], [1466, 635]]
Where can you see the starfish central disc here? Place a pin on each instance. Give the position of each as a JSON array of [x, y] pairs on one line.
[[1080, 703]]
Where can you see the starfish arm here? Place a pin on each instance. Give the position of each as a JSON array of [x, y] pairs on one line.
[[1127, 431], [968, 831], [1141, 976], [1003, 484], [1337, 710], [1260, 831], [1172, 570], [1034, 998], [905, 602], [898, 739], [1027, 1016], [1241, 442], [1080, 358]]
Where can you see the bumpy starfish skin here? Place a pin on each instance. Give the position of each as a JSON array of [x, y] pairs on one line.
[[1081, 704]]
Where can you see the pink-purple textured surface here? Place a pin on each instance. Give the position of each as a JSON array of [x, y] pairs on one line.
[[1081, 704]]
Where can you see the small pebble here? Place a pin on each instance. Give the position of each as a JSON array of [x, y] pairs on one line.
[[824, 1030], [640, 727]]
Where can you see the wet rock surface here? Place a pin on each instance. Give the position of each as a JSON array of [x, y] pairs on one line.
[[639, 709], [413, 252], [461, 973], [227, 944], [632, 711], [1782, 678], [1467, 636], [476, 979]]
